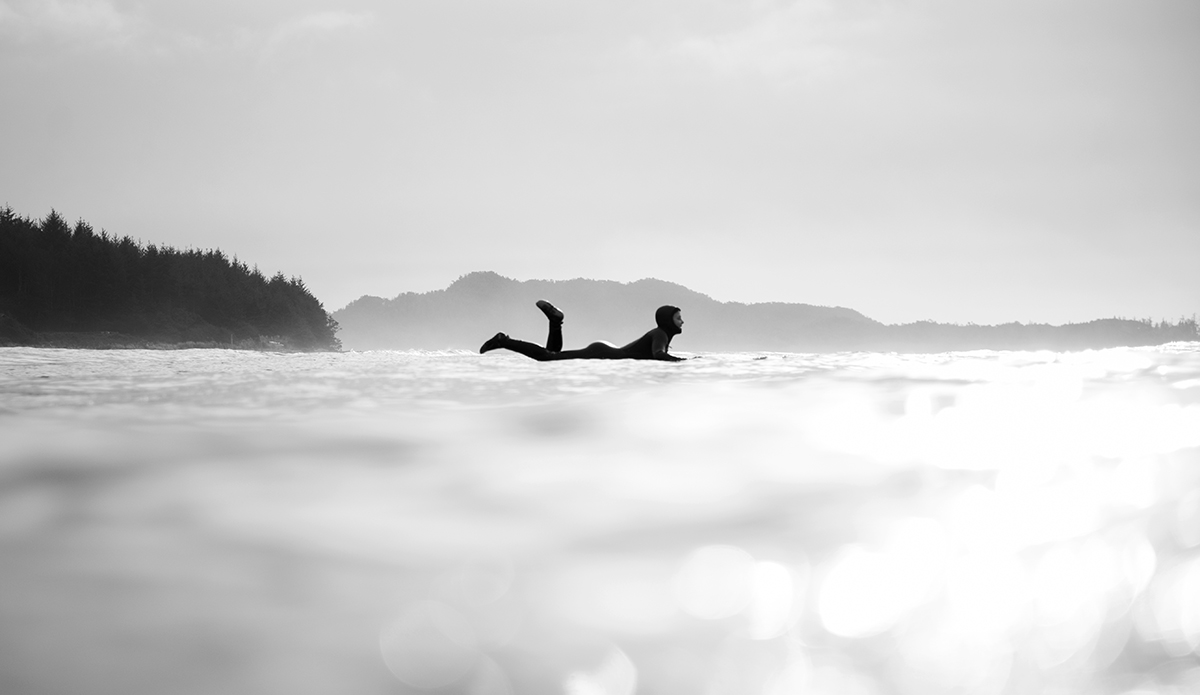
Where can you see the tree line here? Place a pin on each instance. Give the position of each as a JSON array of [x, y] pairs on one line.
[[57, 278]]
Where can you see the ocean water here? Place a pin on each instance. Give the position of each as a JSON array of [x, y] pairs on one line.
[[210, 521]]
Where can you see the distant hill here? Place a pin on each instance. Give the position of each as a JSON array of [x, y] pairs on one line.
[[927, 336], [477, 305]]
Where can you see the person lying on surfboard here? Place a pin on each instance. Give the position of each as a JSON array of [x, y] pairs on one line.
[[652, 345]]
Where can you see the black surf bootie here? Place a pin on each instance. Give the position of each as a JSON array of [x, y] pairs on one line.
[[550, 310], [496, 341]]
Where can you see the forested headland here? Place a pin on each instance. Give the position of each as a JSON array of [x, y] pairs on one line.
[[477, 305], [69, 286]]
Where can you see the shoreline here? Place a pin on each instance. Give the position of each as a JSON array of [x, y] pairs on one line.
[[108, 340]]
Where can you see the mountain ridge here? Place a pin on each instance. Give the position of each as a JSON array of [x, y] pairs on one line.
[[477, 305]]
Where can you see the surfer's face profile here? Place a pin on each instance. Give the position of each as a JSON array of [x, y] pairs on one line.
[[678, 319]]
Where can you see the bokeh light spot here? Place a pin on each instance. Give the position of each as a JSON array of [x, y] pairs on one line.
[[429, 645], [715, 582], [615, 676], [770, 607]]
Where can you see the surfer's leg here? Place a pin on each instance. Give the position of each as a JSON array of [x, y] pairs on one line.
[[493, 343], [500, 340], [554, 340]]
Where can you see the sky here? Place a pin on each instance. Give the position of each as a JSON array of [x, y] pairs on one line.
[[976, 161]]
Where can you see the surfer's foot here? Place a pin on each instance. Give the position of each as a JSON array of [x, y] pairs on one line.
[[550, 310], [496, 341]]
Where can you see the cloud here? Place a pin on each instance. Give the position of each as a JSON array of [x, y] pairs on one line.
[[314, 26], [94, 20], [803, 39]]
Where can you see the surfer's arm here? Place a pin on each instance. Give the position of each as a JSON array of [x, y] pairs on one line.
[[658, 348]]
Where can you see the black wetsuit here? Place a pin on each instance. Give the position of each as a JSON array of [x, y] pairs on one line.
[[652, 345]]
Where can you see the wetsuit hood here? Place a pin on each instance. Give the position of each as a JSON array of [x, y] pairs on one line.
[[665, 318]]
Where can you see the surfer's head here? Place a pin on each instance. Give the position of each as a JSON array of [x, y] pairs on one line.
[[669, 319]]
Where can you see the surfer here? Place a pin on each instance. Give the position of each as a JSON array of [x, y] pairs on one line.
[[651, 346]]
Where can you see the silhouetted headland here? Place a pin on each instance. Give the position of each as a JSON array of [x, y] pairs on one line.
[[481, 303], [64, 286]]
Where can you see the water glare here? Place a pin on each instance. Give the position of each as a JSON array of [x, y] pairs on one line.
[[218, 521], [716, 582], [615, 676]]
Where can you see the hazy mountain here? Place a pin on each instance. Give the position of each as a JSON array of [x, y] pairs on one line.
[[476, 306]]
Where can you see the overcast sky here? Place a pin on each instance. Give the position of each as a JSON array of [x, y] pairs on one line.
[[982, 160]]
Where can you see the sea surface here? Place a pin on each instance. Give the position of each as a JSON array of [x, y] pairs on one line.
[[216, 521]]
